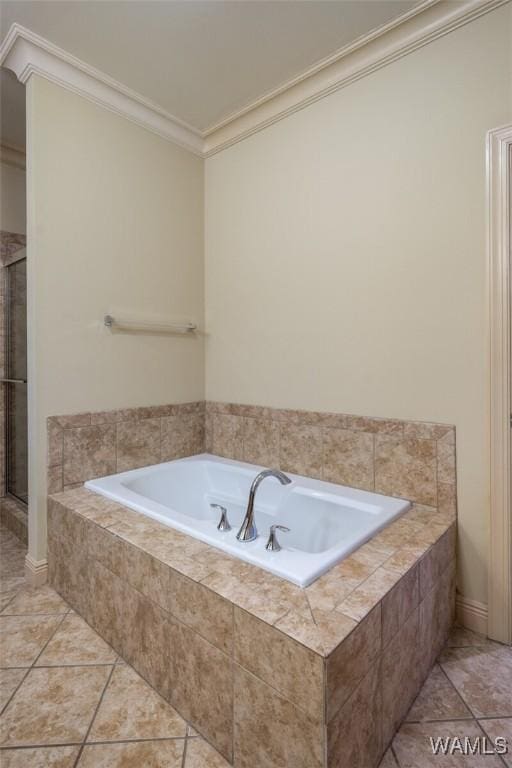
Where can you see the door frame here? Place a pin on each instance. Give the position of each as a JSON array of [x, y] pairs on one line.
[[499, 198]]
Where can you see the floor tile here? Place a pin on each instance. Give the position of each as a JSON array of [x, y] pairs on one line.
[[9, 587], [483, 677], [460, 637], [9, 681], [53, 706], [42, 600], [501, 728], [23, 637], [76, 643], [42, 757], [201, 755], [131, 709], [413, 748], [438, 700], [166, 753], [388, 761]]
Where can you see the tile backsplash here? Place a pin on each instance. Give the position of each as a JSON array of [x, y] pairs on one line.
[[414, 460]]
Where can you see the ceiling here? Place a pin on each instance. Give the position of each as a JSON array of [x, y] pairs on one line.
[[200, 60]]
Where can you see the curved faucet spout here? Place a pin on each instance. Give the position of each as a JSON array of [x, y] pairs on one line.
[[248, 530]]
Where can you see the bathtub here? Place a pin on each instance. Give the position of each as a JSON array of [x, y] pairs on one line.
[[327, 522]]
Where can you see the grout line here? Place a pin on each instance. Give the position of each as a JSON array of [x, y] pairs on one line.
[[92, 743], [459, 694], [506, 764], [109, 677], [184, 755]]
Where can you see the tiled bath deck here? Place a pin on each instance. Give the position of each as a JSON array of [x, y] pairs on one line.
[[68, 701]]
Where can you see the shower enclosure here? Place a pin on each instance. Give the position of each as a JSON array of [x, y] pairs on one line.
[[15, 376]]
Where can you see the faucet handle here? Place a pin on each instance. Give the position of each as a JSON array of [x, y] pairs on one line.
[[272, 544], [223, 524]]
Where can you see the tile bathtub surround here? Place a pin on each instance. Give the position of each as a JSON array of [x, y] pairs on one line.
[[87, 445], [229, 645], [414, 460]]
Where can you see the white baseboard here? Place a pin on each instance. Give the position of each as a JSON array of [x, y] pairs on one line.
[[472, 614], [36, 571]]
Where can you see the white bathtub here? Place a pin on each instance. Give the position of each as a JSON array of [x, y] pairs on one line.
[[327, 522]]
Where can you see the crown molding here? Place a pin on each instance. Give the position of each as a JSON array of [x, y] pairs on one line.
[[421, 26], [26, 54], [10, 154]]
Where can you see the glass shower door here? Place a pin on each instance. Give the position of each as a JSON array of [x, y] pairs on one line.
[[16, 379]]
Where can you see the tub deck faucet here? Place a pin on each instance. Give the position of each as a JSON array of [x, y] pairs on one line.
[[248, 530]]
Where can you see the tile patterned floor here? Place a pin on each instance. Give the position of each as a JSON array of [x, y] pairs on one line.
[[66, 699], [467, 694]]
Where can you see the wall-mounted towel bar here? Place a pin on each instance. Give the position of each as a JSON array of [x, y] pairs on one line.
[[131, 325]]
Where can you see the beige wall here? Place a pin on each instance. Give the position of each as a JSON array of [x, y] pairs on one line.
[[115, 224], [345, 255], [12, 199]]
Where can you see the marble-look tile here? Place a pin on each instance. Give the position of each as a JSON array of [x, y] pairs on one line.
[[483, 677], [425, 430], [227, 437], [89, 452], [32, 600], [350, 662], [55, 435], [461, 637], [259, 593], [270, 731], [322, 631], [366, 596], [405, 558], [167, 753], [353, 736], [334, 586], [182, 435], [201, 755], [447, 498], [76, 643], [399, 603], [148, 643], [261, 442], [54, 479], [375, 425], [401, 679], [130, 709], [437, 560], [23, 637], [9, 681], [437, 700], [348, 458], [53, 706], [300, 449], [293, 670], [202, 610], [446, 467], [413, 748], [406, 468], [436, 618], [501, 728], [40, 757], [202, 687], [388, 761], [138, 444]]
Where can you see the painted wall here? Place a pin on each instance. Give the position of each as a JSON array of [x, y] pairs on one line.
[[12, 199], [345, 255], [115, 218]]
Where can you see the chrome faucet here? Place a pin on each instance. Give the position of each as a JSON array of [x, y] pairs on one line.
[[248, 530]]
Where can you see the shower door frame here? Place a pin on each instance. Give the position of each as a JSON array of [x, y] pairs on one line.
[[14, 259], [499, 222]]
